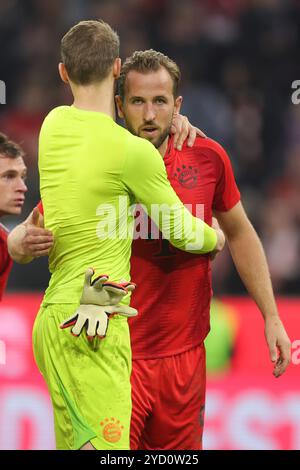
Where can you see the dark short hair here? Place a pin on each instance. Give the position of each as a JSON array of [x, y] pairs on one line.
[[9, 149], [88, 51], [146, 62]]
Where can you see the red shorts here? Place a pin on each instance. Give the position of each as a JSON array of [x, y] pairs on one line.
[[168, 399]]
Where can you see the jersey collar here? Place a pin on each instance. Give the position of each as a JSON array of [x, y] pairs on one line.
[[170, 149]]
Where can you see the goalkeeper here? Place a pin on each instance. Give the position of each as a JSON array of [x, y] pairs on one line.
[[91, 171]]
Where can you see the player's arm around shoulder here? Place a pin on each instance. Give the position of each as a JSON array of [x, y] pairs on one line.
[[144, 170], [145, 175], [30, 239]]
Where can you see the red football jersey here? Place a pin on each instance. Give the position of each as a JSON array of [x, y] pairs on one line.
[[5, 260], [174, 287], [40, 207]]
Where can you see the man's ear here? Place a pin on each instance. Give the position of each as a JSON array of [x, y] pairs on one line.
[[117, 68], [119, 104], [63, 72], [177, 105]]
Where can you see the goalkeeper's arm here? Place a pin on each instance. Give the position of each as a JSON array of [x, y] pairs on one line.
[[151, 187]]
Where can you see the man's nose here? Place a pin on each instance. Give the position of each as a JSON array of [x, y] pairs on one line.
[[149, 113], [22, 187]]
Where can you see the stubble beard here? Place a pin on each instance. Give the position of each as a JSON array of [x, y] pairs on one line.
[[156, 142]]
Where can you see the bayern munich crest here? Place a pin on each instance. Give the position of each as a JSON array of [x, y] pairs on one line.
[[187, 176]]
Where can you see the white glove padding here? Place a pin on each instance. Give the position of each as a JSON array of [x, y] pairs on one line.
[[99, 300], [95, 318]]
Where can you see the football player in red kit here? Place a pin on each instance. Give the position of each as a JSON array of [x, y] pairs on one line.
[[168, 376], [12, 195]]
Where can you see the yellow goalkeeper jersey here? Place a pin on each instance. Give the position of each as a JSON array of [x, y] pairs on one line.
[[91, 172]]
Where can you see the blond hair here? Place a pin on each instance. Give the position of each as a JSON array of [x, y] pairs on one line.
[[88, 51]]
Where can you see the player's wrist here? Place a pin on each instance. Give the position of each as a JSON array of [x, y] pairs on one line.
[[15, 243], [272, 317]]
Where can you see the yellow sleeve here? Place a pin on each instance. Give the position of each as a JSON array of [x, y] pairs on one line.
[[145, 177]]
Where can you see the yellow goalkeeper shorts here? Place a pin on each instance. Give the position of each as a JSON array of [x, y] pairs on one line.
[[89, 382]]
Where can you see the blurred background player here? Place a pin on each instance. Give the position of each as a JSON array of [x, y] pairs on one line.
[[87, 161], [168, 376], [12, 196]]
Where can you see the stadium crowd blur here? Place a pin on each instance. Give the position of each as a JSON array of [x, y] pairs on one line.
[[238, 60]]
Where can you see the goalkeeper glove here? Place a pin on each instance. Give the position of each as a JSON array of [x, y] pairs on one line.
[[99, 300]]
